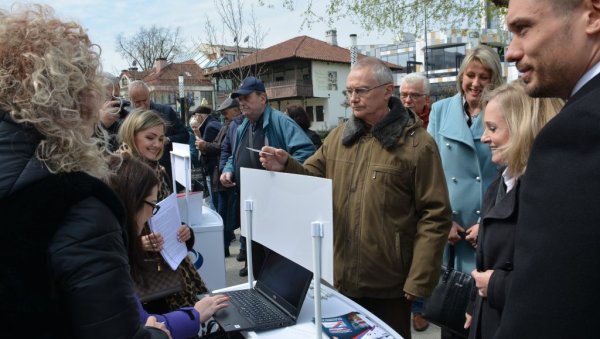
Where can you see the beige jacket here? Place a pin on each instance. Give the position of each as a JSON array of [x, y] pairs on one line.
[[391, 209]]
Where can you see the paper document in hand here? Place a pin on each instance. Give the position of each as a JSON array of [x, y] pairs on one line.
[[167, 222]]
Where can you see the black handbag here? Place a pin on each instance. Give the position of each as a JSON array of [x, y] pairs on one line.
[[448, 303]]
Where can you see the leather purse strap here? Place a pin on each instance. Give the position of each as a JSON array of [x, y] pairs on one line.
[[451, 256]]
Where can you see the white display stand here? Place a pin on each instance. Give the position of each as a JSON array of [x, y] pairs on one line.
[[334, 305], [289, 214], [208, 254], [284, 206]]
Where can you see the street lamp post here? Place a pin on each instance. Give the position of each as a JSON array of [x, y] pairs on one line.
[[182, 100], [425, 34]]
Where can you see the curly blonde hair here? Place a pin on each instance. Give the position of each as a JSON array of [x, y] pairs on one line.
[[49, 79]]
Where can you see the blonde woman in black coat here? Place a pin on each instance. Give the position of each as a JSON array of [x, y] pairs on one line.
[[512, 119]]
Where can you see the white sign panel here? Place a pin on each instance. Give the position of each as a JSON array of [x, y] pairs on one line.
[[181, 165], [284, 206]]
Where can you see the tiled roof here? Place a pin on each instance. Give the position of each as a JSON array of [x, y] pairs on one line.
[[169, 75], [303, 47]]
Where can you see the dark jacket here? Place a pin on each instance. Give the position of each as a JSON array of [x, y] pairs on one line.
[[229, 141], [209, 130], [314, 137], [556, 274], [213, 149], [63, 250], [495, 248]]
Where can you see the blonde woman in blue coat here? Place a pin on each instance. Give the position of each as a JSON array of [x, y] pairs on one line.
[[455, 124]]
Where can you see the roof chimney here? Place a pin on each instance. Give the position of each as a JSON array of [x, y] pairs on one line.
[[353, 49], [159, 64], [331, 37]]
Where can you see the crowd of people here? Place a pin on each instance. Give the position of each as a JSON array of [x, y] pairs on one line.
[[503, 174]]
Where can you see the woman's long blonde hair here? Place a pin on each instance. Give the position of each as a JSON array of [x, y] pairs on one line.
[[525, 117], [49, 79], [138, 120]]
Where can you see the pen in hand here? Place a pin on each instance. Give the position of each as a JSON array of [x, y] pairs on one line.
[[259, 151]]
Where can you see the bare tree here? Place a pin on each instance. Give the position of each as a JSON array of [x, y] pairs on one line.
[[148, 44], [232, 14]]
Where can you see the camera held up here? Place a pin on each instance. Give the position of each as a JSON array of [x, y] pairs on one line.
[[124, 107]]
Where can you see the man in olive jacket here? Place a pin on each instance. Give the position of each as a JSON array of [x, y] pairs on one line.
[[391, 209]]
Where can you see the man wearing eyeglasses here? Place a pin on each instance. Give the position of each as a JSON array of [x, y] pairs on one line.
[[414, 94], [391, 208]]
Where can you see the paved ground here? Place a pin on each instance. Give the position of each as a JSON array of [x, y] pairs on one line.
[[232, 268]]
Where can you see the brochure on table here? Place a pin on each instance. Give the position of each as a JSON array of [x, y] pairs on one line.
[[283, 208]]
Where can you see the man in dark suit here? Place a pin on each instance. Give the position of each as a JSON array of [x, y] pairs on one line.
[[139, 94], [556, 47]]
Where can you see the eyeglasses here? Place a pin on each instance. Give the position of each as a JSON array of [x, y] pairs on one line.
[[360, 91], [155, 207], [411, 95]]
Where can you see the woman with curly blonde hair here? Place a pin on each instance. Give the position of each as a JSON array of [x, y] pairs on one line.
[[63, 223]]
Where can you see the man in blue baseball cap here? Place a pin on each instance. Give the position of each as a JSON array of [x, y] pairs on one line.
[[262, 126]]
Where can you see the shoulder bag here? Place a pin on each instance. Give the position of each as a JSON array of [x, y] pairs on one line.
[[158, 279], [448, 303]]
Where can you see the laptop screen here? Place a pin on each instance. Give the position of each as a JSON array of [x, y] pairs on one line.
[[283, 278]]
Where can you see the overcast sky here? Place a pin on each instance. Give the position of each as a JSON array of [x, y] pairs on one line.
[[106, 19]]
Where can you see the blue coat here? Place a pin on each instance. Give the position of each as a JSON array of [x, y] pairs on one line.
[[467, 165], [280, 132]]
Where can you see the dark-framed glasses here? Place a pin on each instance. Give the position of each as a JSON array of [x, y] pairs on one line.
[[413, 96], [155, 207], [360, 91]]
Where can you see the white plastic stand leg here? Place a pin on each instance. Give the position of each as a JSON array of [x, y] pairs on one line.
[[248, 207], [317, 236]]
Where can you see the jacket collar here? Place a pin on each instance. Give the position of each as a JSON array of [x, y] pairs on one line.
[[387, 131], [453, 125]]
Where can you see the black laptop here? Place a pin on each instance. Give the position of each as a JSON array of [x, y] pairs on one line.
[[274, 302]]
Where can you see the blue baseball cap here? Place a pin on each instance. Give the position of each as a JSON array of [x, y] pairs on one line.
[[249, 85]]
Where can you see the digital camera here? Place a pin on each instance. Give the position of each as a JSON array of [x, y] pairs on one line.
[[124, 107]]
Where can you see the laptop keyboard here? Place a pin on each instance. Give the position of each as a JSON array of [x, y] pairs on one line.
[[253, 306]]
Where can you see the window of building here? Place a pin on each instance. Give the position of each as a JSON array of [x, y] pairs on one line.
[[320, 114], [332, 81], [445, 58], [206, 95], [309, 110]]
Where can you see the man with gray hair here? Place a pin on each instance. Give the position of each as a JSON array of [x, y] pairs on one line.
[[414, 94], [556, 48], [139, 94], [391, 209]]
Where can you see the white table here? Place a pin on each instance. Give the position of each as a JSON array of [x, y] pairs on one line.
[[334, 305]]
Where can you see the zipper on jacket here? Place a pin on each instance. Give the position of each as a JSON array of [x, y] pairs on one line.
[[374, 174]]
